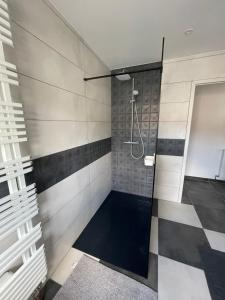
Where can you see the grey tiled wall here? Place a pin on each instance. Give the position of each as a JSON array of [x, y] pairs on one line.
[[129, 175]]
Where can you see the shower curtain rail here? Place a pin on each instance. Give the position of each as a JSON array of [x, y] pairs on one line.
[[132, 72]]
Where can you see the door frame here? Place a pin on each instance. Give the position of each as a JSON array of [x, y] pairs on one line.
[[194, 84]]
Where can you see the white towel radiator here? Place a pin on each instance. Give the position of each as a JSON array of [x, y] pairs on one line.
[[22, 264], [221, 172]]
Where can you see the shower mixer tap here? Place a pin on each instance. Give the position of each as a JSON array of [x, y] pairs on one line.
[[131, 142], [133, 115]]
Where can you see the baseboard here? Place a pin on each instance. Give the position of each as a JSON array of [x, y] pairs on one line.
[[202, 179]]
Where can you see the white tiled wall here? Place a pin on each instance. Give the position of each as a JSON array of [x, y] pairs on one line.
[[172, 129], [188, 69], [38, 96], [38, 17], [175, 113], [56, 195], [37, 60], [168, 174], [175, 92], [47, 137], [62, 112], [89, 200], [167, 162]]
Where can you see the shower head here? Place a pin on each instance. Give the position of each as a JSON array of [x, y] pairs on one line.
[[123, 77]]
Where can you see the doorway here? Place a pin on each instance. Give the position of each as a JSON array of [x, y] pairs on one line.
[[205, 157], [202, 193]]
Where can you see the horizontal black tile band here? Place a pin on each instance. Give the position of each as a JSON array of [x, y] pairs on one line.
[[174, 147], [51, 169]]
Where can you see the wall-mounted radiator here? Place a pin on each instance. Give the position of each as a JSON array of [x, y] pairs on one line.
[[221, 171], [22, 262]]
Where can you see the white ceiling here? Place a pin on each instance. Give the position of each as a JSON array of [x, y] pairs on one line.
[[129, 32]]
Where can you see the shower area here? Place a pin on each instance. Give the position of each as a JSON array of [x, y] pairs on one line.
[[135, 113], [119, 232]]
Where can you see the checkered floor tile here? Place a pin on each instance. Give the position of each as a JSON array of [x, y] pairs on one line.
[[191, 243]]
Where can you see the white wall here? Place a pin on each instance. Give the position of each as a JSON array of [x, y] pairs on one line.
[[61, 112], [180, 76], [207, 136]]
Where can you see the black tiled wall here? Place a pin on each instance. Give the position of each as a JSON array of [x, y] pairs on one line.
[[130, 175], [50, 169], [174, 147]]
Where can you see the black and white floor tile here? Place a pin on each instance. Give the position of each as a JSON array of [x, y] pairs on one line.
[[181, 281], [181, 242], [187, 246], [191, 244]]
